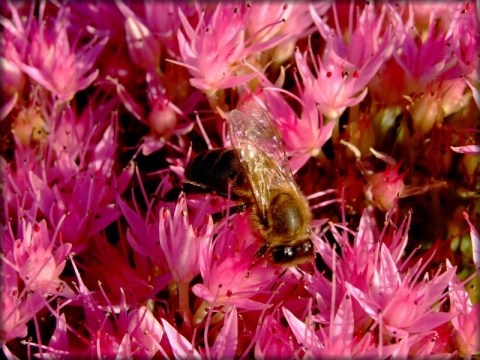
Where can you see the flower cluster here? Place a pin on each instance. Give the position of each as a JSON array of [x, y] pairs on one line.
[[103, 251]]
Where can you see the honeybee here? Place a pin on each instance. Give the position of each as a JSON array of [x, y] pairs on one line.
[[259, 176]]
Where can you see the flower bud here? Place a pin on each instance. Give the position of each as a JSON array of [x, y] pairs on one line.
[[384, 187], [13, 80], [142, 45], [425, 111]]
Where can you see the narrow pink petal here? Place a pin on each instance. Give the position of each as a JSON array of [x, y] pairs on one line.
[[225, 345], [37, 75], [59, 339], [128, 101], [125, 348], [370, 307], [304, 335], [476, 93], [227, 82], [475, 238], [181, 347], [5, 110], [430, 322], [343, 323], [135, 221], [468, 149]]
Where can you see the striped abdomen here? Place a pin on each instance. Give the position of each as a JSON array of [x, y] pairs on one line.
[[215, 169]]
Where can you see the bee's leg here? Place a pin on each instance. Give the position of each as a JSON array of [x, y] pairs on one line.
[[188, 187], [191, 187], [219, 215]]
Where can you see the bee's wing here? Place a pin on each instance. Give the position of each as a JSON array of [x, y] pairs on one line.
[[260, 148]]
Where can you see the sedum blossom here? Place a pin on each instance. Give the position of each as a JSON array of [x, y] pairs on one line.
[[344, 70], [38, 260], [180, 242], [400, 305], [47, 57], [291, 19], [465, 322], [214, 49]]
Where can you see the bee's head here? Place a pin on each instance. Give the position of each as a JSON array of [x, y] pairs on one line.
[[291, 255]]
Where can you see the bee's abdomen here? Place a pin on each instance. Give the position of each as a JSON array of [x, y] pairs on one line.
[[217, 168]]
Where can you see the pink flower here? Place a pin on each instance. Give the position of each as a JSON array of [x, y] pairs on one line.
[[421, 63], [48, 59], [270, 19], [333, 89], [423, 60], [467, 149], [225, 345], [334, 340], [67, 180], [115, 333], [39, 261], [90, 101], [82, 204], [143, 46], [17, 307], [214, 50], [401, 304], [371, 41], [163, 19], [465, 38], [465, 322], [228, 271], [168, 123], [341, 76], [142, 235], [181, 243]]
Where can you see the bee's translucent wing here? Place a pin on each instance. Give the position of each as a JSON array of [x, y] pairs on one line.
[[260, 148]]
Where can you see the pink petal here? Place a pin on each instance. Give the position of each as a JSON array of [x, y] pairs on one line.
[[475, 237], [181, 347], [370, 307], [225, 345], [430, 322], [59, 339], [5, 110], [344, 322], [125, 348], [228, 82], [469, 149], [304, 335], [476, 93]]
